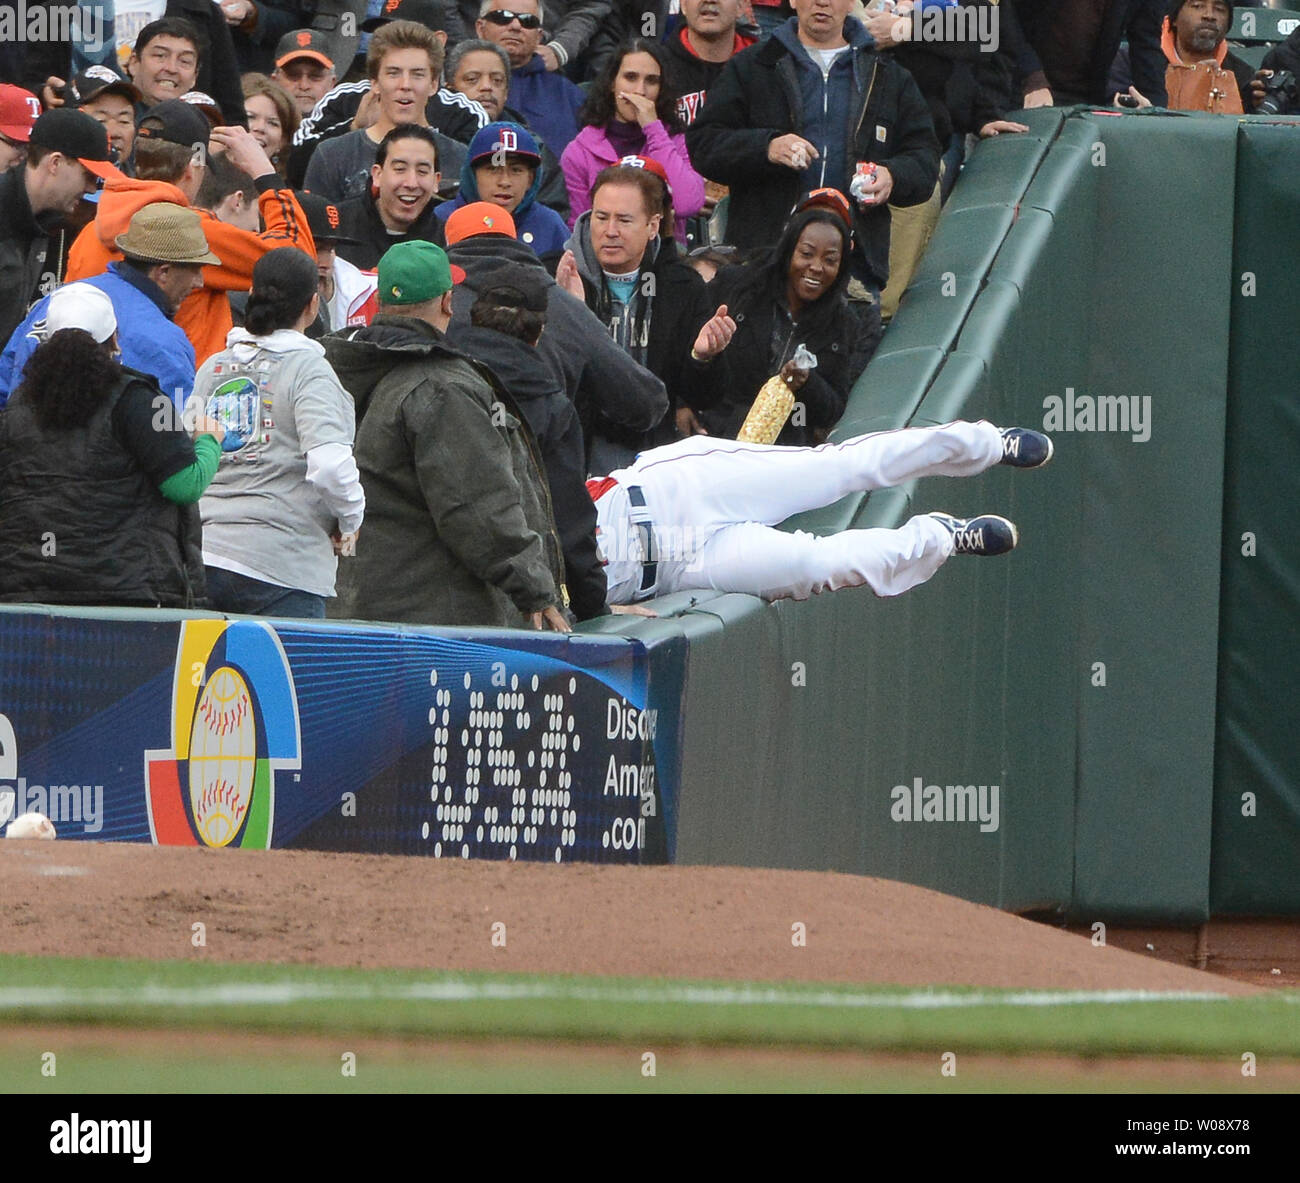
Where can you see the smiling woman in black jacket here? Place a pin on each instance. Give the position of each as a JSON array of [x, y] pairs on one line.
[[789, 296]]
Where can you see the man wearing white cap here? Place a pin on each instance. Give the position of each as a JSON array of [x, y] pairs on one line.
[[80, 306]]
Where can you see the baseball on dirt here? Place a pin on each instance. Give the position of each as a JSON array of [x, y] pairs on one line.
[[31, 825]]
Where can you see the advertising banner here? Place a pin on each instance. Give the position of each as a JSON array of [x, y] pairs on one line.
[[200, 731]]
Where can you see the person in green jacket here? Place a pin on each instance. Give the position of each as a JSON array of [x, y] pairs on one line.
[[459, 527], [98, 478]]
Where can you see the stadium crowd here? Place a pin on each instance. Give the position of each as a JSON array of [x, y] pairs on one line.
[[429, 286]]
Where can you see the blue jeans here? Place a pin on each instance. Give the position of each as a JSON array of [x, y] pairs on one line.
[[239, 594]]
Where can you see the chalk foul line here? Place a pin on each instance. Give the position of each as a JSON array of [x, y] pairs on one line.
[[453, 990]]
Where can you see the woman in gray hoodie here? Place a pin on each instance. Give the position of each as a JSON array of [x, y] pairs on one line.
[[287, 498]]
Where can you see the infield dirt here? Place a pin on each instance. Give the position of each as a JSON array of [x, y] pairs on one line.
[[123, 900]]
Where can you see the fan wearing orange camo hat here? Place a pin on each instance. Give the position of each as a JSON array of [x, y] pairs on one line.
[[479, 217]]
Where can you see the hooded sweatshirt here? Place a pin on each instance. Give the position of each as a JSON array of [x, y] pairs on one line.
[[594, 149], [549, 102], [287, 479], [657, 327], [691, 75], [538, 226], [204, 314]]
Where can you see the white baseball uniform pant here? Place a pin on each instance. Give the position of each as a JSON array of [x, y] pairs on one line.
[[714, 503]]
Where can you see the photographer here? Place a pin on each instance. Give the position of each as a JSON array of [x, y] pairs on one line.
[[1283, 59]]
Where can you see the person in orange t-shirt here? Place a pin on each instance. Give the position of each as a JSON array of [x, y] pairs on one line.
[[171, 146]]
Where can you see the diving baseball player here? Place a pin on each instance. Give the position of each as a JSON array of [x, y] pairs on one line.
[[700, 513]]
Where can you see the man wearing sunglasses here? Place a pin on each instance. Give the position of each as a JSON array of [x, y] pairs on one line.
[[539, 90]]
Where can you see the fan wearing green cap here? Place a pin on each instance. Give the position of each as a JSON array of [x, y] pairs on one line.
[[459, 529]]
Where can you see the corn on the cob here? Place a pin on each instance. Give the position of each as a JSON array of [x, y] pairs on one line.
[[767, 416]]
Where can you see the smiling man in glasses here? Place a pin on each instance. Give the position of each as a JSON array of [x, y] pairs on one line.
[[548, 101]]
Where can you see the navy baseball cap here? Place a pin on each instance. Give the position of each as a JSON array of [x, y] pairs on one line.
[[513, 139]]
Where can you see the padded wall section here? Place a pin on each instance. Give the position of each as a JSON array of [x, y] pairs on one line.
[[1147, 596], [1257, 800], [1079, 675]]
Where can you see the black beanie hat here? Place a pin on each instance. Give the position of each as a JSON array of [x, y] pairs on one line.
[[1175, 7]]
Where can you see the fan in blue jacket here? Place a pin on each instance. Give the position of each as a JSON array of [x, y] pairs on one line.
[[148, 338], [504, 167]]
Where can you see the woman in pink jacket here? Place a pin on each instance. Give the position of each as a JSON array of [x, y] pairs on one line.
[[632, 111]]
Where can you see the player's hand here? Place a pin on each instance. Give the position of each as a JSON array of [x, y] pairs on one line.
[[632, 610], [714, 336], [1258, 87], [345, 545], [208, 426], [792, 151], [51, 98], [877, 193], [995, 127], [1042, 97], [550, 59], [551, 618], [243, 151], [566, 275], [794, 376], [687, 424]]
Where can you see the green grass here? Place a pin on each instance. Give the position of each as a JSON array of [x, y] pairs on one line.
[[640, 1013], [86, 1065]]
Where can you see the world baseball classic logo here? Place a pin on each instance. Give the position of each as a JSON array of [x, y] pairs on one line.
[[234, 726]]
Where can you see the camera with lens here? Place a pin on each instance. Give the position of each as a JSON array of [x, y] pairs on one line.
[[1279, 94]]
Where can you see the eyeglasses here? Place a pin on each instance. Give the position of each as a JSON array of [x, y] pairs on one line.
[[503, 16]]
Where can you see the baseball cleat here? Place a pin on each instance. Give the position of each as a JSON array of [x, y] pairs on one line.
[[987, 534], [1022, 447]]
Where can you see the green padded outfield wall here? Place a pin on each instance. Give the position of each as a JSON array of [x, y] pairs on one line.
[[1089, 262], [1256, 862]]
